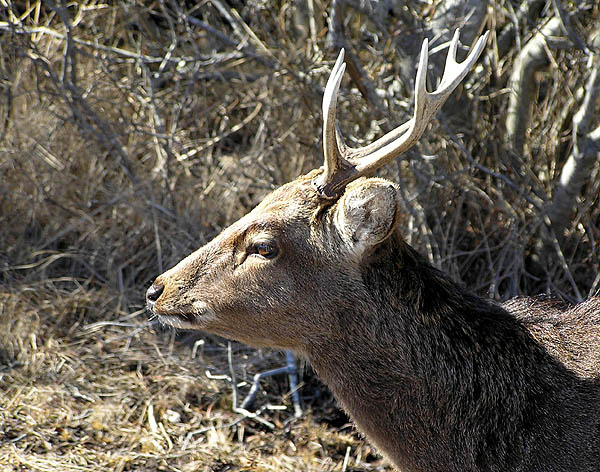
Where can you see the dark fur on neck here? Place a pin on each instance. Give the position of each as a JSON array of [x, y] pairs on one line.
[[441, 379]]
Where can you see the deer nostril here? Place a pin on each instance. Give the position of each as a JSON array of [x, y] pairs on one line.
[[154, 292]]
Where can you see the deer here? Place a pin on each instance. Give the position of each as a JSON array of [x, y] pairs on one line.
[[435, 376]]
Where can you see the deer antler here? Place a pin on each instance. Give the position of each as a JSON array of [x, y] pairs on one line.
[[344, 164]]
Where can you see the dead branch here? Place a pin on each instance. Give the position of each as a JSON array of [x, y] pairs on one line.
[[532, 58], [523, 19], [85, 117], [584, 153], [565, 21], [336, 40]]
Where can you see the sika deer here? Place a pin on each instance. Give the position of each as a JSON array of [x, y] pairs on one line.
[[438, 378]]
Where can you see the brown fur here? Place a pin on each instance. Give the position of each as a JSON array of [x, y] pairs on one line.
[[438, 378]]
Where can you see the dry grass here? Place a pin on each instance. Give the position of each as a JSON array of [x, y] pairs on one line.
[[124, 153], [112, 395]]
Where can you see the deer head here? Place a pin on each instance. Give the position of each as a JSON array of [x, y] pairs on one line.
[[276, 276]]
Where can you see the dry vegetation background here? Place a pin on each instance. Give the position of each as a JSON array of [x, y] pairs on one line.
[[132, 132]]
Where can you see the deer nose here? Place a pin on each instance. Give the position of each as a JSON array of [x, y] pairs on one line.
[[154, 292]]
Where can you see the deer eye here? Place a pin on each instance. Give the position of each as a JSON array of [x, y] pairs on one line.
[[265, 249]]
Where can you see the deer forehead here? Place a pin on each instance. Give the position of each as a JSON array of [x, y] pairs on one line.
[[293, 204], [283, 215]]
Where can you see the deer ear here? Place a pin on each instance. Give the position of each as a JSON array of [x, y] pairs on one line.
[[367, 213]]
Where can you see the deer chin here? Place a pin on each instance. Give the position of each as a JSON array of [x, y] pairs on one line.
[[196, 316]]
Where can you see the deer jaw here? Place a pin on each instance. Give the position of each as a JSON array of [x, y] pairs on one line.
[[274, 277]]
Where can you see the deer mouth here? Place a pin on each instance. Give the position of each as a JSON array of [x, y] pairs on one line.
[[179, 320], [189, 317]]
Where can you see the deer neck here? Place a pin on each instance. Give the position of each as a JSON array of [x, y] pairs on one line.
[[414, 350]]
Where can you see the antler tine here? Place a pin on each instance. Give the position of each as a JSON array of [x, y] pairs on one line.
[[455, 72], [426, 106], [331, 150], [350, 164]]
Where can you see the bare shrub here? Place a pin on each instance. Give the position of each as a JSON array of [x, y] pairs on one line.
[[131, 133]]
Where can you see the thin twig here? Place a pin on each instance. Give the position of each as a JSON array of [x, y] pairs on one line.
[[565, 20], [489, 171]]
